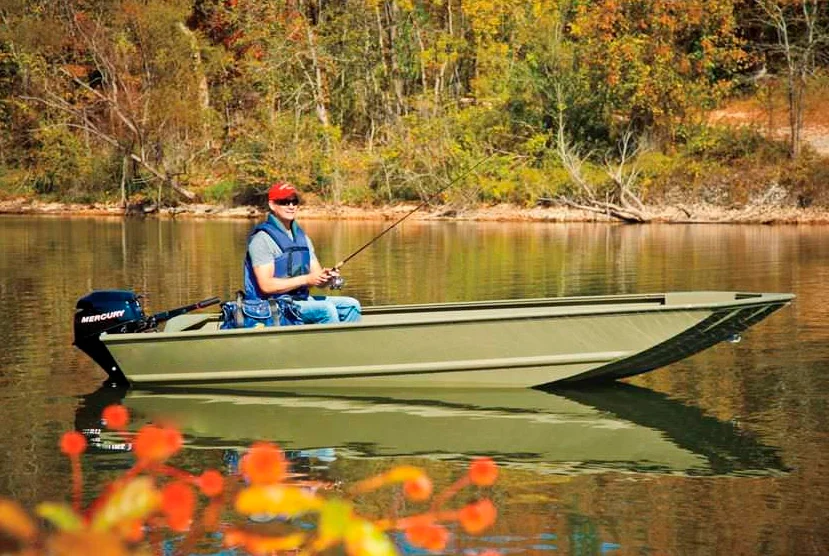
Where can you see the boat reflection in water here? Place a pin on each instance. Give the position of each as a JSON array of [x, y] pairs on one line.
[[617, 427]]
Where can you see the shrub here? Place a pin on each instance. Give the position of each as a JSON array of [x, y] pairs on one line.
[[807, 180], [222, 192], [725, 143]]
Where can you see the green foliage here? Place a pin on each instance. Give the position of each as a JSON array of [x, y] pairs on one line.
[[13, 183], [806, 181], [62, 164], [728, 143], [654, 170], [356, 169], [221, 192]]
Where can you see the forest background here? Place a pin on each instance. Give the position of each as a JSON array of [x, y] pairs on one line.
[[616, 107]]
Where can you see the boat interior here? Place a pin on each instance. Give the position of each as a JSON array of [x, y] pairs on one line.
[[506, 309]]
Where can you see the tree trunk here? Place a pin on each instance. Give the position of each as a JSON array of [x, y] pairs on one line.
[[423, 83], [124, 169], [392, 13], [317, 82], [797, 51]]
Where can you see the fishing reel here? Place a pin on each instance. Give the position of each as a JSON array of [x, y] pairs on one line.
[[336, 283]]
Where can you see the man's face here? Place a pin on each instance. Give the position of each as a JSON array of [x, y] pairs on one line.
[[285, 209]]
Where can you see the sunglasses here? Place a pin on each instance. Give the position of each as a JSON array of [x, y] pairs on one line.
[[286, 202]]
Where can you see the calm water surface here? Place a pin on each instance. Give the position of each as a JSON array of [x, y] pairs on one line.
[[723, 453]]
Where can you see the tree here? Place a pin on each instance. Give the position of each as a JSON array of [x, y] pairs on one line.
[[801, 36], [654, 63], [127, 75]]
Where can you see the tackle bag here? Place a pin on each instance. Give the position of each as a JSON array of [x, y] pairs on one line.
[[251, 313]]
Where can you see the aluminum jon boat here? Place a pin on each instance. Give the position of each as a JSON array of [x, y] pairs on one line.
[[486, 344]]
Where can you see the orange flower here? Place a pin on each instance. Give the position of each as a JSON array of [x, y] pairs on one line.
[[264, 464], [234, 537], [72, 443], [431, 536], [478, 516], [116, 417], [157, 444], [178, 501], [483, 471], [418, 489], [131, 531], [211, 483]]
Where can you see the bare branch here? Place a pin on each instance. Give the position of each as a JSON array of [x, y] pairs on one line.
[[624, 173], [631, 208]]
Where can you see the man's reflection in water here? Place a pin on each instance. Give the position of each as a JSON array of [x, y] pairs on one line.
[[305, 472], [303, 462]]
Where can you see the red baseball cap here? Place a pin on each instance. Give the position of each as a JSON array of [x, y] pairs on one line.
[[281, 190]]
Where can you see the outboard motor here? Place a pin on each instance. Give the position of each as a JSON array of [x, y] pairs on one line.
[[117, 312], [111, 311]]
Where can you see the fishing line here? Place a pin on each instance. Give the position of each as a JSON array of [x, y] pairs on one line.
[[414, 210]]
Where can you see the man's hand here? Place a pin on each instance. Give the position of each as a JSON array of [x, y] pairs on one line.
[[319, 277]]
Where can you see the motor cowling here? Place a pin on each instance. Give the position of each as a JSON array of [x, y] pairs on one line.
[[110, 311], [115, 311]]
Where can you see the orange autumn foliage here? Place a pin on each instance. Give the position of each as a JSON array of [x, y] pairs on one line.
[[115, 417], [178, 502], [264, 464], [418, 489], [483, 472], [430, 536], [478, 516], [72, 444], [134, 509], [156, 444], [211, 483]]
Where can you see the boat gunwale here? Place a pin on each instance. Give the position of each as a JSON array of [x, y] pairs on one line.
[[741, 300]]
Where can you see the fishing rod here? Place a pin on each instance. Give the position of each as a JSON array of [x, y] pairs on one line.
[[405, 216]]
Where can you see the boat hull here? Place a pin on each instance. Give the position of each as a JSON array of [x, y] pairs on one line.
[[499, 344]]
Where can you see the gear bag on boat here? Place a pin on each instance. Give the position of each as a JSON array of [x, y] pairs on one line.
[[251, 313]]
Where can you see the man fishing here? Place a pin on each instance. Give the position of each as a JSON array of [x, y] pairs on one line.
[[281, 261]]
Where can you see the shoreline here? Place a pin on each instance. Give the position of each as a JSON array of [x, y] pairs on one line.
[[680, 214]]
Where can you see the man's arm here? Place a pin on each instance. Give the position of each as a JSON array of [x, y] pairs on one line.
[[269, 283]]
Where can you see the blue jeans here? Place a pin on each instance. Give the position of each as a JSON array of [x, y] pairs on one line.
[[321, 309]]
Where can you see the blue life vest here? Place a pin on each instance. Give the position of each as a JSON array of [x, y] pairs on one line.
[[295, 260]]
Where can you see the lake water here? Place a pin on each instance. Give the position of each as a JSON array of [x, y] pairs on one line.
[[726, 452]]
